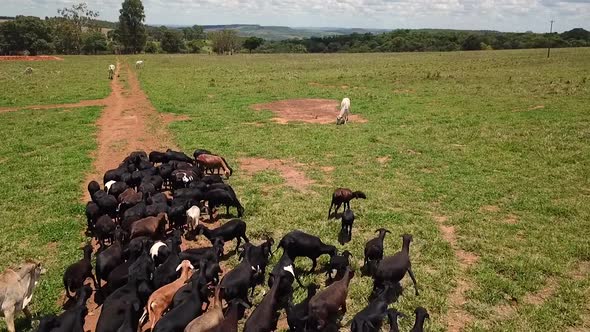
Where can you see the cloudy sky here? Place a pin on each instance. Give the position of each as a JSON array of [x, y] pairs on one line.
[[503, 15]]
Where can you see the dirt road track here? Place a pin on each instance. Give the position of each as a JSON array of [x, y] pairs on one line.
[[129, 122]]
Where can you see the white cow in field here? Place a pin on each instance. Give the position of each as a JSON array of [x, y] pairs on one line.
[[28, 70], [344, 111], [139, 64], [111, 71]]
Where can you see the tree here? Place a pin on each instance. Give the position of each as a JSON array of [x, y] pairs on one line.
[[67, 38], [472, 43], [94, 42], [152, 47], [132, 32], [193, 33], [172, 41], [194, 46], [69, 28], [224, 41], [253, 43], [80, 15], [577, 33], [25, 33]]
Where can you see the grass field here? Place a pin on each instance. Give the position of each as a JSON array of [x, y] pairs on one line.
[[492, 145], [44, 157], [496, 143], [74, 79]]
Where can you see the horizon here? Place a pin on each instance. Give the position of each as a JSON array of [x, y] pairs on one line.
[[492, 15]]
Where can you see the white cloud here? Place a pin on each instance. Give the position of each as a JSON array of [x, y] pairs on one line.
[[504, 15]]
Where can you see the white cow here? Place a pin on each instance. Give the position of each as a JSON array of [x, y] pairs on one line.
[[111, 71], [344, 111], [139, 64]]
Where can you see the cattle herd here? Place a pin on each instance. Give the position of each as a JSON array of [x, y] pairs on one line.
[[145, 277]]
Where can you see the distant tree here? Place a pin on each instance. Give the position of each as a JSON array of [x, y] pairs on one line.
[[225, 41], [172, 41], [66, 36], [80, 15], [152, 47], [194, 46], [115, 47], [253, 43], [132, 33], [472, 43], [94, 42], [577, 33], [25, 33], [69, 27], [193, 33]]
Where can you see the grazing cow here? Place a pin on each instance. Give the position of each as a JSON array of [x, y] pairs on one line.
[[111, 71], [344, 111], [139, 64], [16, 290], [28, 70]]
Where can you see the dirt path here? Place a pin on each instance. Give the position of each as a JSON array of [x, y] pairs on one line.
[[128, 123], [457, 317], [83, 103]]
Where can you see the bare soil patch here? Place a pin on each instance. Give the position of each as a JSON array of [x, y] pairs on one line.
[[29, 58], [457, 317], [511, 219], [542, 294], [84, 103], [490, 208], [294, 177], [384, 160], [404, 91], [321, 111]]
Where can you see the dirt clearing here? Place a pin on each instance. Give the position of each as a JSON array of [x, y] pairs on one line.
[[293, 177], [30, 58], [322, 111]]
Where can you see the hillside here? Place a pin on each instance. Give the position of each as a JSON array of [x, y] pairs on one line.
[[282, 32]]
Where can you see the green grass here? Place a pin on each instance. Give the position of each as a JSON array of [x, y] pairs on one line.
[[44, 156], [461, 136], [74, 79]]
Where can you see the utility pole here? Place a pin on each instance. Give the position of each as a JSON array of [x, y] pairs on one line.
[[550, 32]]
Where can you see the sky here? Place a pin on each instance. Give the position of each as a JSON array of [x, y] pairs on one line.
[[501, 15]]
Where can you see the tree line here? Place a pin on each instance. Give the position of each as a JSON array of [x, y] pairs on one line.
[[77, 30], [428, 41]]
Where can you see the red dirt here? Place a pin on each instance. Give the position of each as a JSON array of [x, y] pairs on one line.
[[457, 317], [384, 160], [294, 178], [29, 58], [489, 208], [128, 123], [322, 111], [83, 103]]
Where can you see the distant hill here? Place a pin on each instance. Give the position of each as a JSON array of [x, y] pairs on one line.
[[282, 32]]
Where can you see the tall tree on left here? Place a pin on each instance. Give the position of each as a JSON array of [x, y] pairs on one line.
[[132, 33]]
